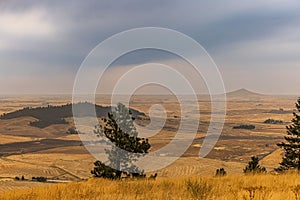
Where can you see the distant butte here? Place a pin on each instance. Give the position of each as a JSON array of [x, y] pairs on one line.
[[242, 93]]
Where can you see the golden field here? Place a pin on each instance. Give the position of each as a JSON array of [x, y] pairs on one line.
[[50, 152], [285, 186]]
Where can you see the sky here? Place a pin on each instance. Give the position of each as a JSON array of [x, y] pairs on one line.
[[255, 44]]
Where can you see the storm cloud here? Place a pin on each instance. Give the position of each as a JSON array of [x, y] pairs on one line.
[[255, 44]]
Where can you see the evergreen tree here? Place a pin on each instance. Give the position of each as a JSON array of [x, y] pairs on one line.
[[291, 146], [221, 172], [119, 129], [254, 167]]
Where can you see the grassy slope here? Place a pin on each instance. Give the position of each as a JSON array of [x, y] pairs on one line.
[[231, 187]]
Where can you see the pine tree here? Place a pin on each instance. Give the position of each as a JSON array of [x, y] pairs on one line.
[[119, 129], [291, 146], [254, 167]]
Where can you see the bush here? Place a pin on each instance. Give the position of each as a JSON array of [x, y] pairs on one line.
[[221, 172], [199, 189], [244, 126], [72, 131]]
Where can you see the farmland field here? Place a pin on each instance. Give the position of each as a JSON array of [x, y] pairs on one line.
[[52, 153]]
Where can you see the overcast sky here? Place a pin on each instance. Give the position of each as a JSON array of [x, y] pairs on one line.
[[256, 44]]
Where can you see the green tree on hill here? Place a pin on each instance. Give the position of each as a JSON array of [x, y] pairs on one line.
[[120, 130], [291, 146]]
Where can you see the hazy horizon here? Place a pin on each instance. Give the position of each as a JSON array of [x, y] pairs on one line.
[[144, 94]]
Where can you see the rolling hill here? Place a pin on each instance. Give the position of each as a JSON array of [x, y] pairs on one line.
[[49, 115]]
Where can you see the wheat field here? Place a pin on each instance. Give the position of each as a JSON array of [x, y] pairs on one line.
[[267, 186]]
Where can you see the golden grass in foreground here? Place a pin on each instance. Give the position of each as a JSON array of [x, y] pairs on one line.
[[231, 187]]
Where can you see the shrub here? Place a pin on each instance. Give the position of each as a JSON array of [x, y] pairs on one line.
[[245, 126], [273, 121], [221, 172], [199, 189], [72, 131], [254, 167]]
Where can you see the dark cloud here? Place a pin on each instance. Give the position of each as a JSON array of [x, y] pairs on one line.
[[78, 26]]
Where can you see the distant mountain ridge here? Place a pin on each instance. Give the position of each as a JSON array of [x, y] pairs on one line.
[[49, 115], [242, 93]]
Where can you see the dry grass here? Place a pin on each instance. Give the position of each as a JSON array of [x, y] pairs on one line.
[[231, 187]]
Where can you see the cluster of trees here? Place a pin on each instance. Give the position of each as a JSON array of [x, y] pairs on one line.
[[38, 179], [45, 116], [48, 122], [20, 179]]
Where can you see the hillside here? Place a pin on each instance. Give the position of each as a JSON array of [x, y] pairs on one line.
[[49, 115]]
